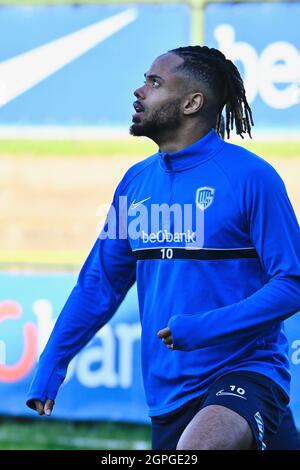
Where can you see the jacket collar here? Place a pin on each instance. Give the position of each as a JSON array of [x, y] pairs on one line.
[[191, 156]]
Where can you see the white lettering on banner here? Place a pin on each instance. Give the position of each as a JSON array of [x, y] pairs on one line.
[[277, 65], [280, 64], [126, 334], [296, 354], [43, 311], [3, 91], [112, 370], [104, 357]]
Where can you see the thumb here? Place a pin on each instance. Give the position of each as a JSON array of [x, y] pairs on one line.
[[39, 407], [48, 407], [164, 332]]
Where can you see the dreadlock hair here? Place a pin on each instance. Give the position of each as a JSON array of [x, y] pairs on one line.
[[221, 126], [224, 80]]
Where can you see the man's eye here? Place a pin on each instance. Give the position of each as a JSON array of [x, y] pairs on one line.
[[152, 81]]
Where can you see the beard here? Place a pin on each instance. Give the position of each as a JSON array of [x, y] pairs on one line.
[[166, 118]]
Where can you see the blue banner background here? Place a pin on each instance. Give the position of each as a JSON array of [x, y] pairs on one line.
[[97, 88], [109, 363], [263, 39], [104, 380]]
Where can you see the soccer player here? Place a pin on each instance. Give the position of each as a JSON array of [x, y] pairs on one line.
[[208, 232]]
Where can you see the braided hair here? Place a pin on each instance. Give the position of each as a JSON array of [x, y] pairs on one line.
[[224, 80]]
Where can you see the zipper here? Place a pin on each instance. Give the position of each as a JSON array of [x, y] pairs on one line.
[[172, 177], [171, 187]]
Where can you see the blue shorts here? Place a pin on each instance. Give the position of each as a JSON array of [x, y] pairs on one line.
[[287, 437], [253, 396]]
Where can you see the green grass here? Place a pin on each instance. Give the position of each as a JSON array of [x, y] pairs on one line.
[[59, 435], [82, 148], [268, 150], [52, 259], [128, 146], [18, 434]]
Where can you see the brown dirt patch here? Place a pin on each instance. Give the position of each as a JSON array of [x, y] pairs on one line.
[[51, 203]]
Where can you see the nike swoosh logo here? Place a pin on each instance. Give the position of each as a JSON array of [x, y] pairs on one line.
[[26, 70], [134, 204], [228, 393]]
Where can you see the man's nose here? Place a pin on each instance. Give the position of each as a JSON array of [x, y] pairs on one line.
[[140, 93]]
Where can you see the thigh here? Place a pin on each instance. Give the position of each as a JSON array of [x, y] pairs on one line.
[[236, 404], [216, 427]]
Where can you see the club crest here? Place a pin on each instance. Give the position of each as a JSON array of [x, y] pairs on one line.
[[205, 197]]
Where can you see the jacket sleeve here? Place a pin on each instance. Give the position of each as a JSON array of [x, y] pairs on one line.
[[103, 282], [274, 231]]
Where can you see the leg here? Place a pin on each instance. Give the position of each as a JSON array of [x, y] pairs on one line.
[[239, 410], [216, 427], [167, 429]]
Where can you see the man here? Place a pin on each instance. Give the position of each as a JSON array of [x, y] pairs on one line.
[[212, 241]]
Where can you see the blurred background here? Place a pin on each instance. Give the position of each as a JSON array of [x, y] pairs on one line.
[[67, 76]]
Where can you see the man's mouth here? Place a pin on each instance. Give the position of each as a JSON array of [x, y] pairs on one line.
[[138, 107], [139, 110]]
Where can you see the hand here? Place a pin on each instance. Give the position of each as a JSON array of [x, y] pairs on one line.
[[44, 409], [166, 337]]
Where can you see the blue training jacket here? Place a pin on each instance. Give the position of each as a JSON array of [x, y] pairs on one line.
[[223, 285]]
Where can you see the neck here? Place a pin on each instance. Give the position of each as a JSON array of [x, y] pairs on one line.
[[175, 140]]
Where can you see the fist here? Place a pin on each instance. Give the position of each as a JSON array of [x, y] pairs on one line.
[[166, 336]]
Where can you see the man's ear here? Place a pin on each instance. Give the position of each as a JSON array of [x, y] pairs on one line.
[[193, 103]]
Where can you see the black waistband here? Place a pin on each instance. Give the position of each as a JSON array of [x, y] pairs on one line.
[[166, 253]]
